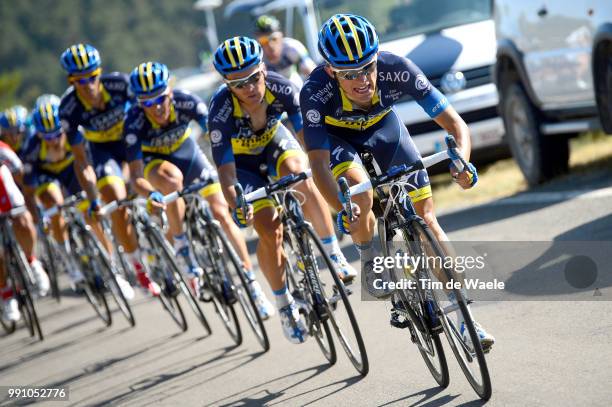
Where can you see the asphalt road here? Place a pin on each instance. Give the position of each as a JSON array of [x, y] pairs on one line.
[[547, 353]]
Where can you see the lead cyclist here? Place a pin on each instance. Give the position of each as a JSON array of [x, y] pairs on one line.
[[347, 107]]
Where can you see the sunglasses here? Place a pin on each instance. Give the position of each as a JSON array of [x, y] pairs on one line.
[[266, 39], [353, 74], [84, 80], [153, 102], [241, 83], [53, 135]]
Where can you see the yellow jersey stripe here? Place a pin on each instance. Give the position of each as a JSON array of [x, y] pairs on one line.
[[357, 124], [12, 118], [343, 38], [354, 31], [238, 51], [168, 149], [229, 53]]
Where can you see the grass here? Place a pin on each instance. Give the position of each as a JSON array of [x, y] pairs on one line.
[[589, 152]]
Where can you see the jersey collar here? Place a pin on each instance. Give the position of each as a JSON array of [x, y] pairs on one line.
[[105, 96], [347, 105]]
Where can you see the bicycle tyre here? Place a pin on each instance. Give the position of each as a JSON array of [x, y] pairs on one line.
[[482, 388], [180, 282], [51, 267], [427, 342], [317, 328], [220, 283], [247, 303], [25, 296], [362, 366], [92, 287]]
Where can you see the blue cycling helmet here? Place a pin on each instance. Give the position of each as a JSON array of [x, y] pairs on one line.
[[236, 55], [149, 78], [80, 59], [347, 41], [46, 118], [15, 117]]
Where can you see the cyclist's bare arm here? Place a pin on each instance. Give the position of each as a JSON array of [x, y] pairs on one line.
[[227, 178], [323, 177], [84, 171], [140, 183]]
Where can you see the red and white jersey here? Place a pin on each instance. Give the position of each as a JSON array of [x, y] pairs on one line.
[[9, 158], [10, 195]]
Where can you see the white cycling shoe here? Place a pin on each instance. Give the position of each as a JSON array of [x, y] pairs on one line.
[[293, 325], [41, 278], [486, 339], [125, 287], [346, 272], [10, 312], [264, 306]]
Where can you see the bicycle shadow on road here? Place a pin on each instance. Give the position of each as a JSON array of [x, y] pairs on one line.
[[138, 391], [577, 262], [426, 394]]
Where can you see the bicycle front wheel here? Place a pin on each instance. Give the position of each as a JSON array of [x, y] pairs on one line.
[[216, 278], [24, 294], [470, 355], [336, 297], [176, 277]]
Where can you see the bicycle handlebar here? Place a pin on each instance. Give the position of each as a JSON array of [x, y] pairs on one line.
[[70, 201], [282, 183]]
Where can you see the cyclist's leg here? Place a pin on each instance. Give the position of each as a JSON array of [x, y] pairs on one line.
[[285, 156], [194, 165], [107, 160]]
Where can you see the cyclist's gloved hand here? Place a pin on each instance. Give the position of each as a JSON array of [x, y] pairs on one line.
[[94, 207], [155, 201], [467, 178], [342, 220], [240, 218]]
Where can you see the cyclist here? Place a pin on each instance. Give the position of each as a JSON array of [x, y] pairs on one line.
[[98, 104], [347, 105], [23, 226], [49, 168], [246, 133], [284, 55], [164, 157], [15, 131]]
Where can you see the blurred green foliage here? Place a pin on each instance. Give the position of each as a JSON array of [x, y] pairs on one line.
[[34, 33]]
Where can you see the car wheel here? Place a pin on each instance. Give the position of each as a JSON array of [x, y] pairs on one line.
[[539, 157]]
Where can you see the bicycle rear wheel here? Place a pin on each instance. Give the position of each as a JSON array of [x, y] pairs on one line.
[[318, 327], [471, 358], [339, 309], [177, 278], [51, 262]]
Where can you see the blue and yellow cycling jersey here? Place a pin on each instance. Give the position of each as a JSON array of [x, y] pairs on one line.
[[99, 126], [142, 135], [327, 111], [230, 127]]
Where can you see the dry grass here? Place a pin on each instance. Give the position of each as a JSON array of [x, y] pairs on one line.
[[591, 151]]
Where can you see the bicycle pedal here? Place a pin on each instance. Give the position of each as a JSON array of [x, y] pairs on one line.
[[395, 322]]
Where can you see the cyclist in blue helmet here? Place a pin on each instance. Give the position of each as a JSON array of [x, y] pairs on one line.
[[347, 106], [97, 103], [164, 157], [246, 133], [15, 128]]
